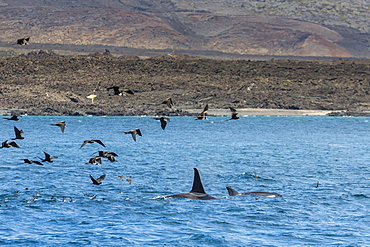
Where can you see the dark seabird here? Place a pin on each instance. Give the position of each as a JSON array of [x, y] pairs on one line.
[[233, 192], [168, 102], [32, 162], [104, 154], [48, 158], [92, 141], [255, 176], [108, 155], [129, 179], [203, 114], [118, 92], [5, 144], [120, 177], [163, 121], [133, 133], [97, 181], [23, 41], [233, 113], [61, 124], [95, 161], [18, 133], [14, 118], [197, 192]]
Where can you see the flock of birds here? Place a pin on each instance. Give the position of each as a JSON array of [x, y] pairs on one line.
[[197, 191]]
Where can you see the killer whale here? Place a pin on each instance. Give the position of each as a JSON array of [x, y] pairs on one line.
[[233, 192], [197, 192]]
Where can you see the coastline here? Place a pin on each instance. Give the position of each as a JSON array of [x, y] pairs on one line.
[[243, 112]]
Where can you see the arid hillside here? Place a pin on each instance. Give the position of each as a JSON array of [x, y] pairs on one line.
[[44, 83], [212, 28]]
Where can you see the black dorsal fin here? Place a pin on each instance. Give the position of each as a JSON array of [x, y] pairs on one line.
[[232, 192], [197, 183]]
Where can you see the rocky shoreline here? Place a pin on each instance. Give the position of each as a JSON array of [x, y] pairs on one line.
[[47, 84]]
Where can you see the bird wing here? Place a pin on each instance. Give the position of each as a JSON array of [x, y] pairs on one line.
[[37, 162], [112, 153], [18, 133], [163, 123], [115, 89], [101, 178], [203, 113], [205, 108], [133, 134], [62, 125], [47, 156], [94, 180], [232, 109], [83, 144], [138, 132], [168, 102], [100, 142], [129, 91], [13, 144]]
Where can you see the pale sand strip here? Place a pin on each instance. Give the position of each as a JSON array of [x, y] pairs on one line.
[[262, 112], [241, 112]]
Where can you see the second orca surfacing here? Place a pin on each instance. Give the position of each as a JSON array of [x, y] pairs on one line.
[[233, 192], [197, 192]]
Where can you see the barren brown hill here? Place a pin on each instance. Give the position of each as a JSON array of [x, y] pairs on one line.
[[156, 27], [44, 83]]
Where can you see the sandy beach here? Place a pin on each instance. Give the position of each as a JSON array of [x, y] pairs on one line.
[[263, 112]]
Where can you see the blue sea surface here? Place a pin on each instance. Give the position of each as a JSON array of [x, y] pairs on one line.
[[319, 164]]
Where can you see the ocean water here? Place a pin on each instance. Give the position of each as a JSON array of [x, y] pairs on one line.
[[291, 156]]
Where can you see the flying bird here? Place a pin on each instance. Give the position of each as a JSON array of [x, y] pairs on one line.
[[108, 155], [18, 133], [95, 161], [92, 141], [61, 124], [48, 158], [203, 114], [129, 179], [168, 102], [233, 113], [23, 41], [5, 144], [133, 133], [118, 92], [14, 118], [32, 162], [97, 181], [163, 121]]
